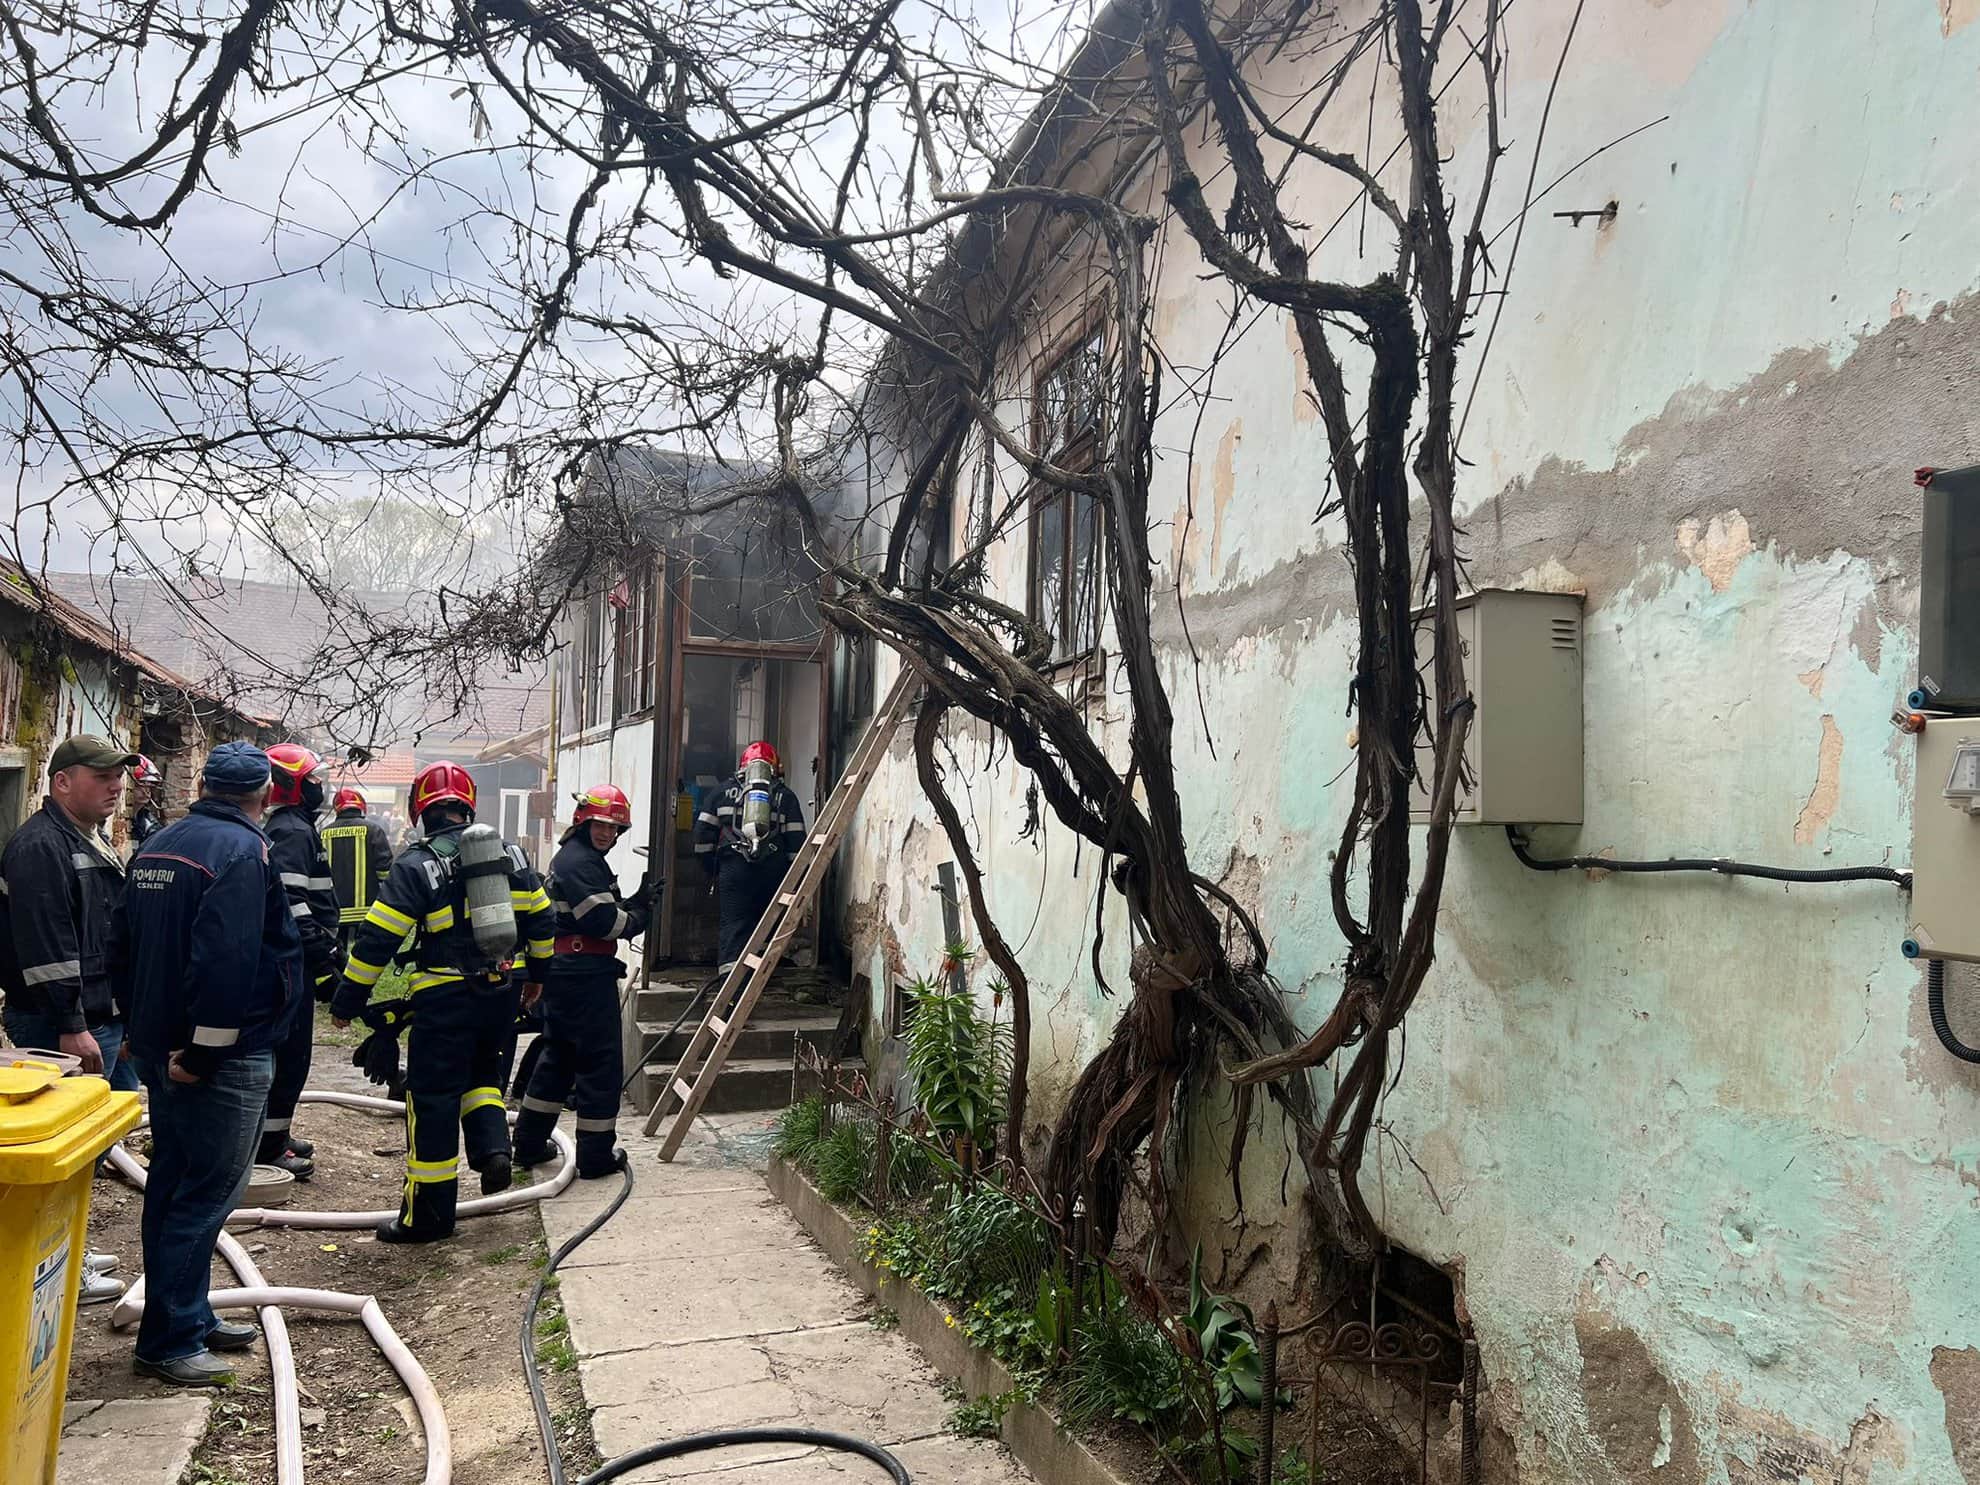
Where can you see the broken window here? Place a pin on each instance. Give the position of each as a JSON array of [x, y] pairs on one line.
[[1068, 409], [753, 580]]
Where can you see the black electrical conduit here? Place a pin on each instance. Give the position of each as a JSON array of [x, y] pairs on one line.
[[694, 1443], [1899, 879], [1935, 1005]]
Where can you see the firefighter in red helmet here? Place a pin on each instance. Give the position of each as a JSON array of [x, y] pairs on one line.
[[295, 851], [580, 1036], [360, 851], [149, 812], [745, 838], [474, 905]]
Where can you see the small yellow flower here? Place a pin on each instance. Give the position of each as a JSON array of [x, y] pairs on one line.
[[950, 1321]]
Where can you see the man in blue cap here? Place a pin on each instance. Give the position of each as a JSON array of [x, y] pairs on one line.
[[207, 964]]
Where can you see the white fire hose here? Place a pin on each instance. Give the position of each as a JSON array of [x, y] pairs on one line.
[[258, 1294]]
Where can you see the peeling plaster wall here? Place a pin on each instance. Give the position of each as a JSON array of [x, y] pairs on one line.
[[1709, 1179]]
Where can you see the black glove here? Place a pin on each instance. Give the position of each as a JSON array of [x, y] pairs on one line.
[[650, 887], [378, 1057]]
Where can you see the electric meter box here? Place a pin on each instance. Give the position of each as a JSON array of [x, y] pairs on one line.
[[1522, 661], [1949, 591], [1945, 840]]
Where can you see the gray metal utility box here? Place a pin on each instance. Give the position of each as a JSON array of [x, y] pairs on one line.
[[1522, 660]]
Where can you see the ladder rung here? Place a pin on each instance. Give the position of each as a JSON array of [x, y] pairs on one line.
[[785, 899], [682, 1091], [752, 961], [717, 1025], [818, 839]]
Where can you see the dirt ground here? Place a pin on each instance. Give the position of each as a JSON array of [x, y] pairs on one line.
[[457, 1305]]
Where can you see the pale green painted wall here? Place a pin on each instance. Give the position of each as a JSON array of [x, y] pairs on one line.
[[1709, 1179]]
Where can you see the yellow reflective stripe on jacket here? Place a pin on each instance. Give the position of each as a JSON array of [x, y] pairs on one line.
[[480, 1098], [426, 979], [360, 973], [542, 948], [390, 919], [440, 919], [535, 900]]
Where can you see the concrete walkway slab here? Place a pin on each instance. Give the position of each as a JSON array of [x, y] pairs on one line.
[[131, 1441], [731, 1221], [702, 1305]]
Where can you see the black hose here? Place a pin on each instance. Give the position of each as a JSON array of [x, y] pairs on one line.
[[694, 1443], [1935, 1005], [666, 1036], [1900, 879], [729, 1437]]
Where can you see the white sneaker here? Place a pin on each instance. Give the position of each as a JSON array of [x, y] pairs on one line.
[[98, 1289], [99, 1263]]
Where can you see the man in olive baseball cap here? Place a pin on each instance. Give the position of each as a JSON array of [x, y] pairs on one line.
[[87, 750]]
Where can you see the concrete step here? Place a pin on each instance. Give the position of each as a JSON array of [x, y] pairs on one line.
[[663, 1002], [748, 1086], [751, 1085], [766, 1036]]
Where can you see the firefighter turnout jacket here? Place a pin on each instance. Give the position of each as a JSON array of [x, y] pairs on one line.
[[296, 852], [426, 894], [204, 949], [591, 915], [58, 889], [360, 852], [718, 828]]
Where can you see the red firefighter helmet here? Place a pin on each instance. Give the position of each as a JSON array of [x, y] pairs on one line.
[[441, 783], [763, 750], [350, 797], [290, 766], [144, 772], [606, 802]]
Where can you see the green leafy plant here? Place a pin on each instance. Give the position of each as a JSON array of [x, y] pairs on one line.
[[800, 1128], [981, 1417], [1240, 1461], [960, 1061], [1125, 1368], [1226, 1340], [983, 1239], [843, 1161]]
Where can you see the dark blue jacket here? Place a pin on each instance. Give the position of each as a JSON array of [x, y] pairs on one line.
[[58, 891], [204, 951]]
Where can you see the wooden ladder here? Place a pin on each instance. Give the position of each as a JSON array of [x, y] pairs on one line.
[[729, 1012]]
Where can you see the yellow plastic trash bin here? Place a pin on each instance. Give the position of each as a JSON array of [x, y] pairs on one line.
[[53, 1130]]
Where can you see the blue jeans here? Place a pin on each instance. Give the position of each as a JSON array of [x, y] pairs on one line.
[[202, 1150], [33, 1029]]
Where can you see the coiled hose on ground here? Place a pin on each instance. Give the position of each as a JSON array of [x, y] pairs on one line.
[[258, 1294], [694, 1443]]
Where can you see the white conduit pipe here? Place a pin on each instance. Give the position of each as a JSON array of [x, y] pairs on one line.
[[265, 1298]]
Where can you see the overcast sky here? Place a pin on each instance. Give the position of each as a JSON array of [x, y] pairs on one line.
[[267, 228]]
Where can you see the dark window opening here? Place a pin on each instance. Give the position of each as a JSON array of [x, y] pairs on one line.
[[1417, 1294]]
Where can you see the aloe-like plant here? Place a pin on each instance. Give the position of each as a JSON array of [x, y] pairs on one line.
[[1226, 1339]]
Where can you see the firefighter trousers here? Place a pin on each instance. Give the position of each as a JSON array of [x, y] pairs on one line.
[[744, 889], [292, 1055], [581, 1054], [455, 1049]]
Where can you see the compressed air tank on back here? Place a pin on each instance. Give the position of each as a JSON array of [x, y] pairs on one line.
[[484, 868], [759, 785]]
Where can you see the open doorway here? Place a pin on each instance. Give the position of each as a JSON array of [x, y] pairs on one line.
[[727, 702]]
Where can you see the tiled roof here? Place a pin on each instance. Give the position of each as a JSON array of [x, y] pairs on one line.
[[44, 600], [250, 638]]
